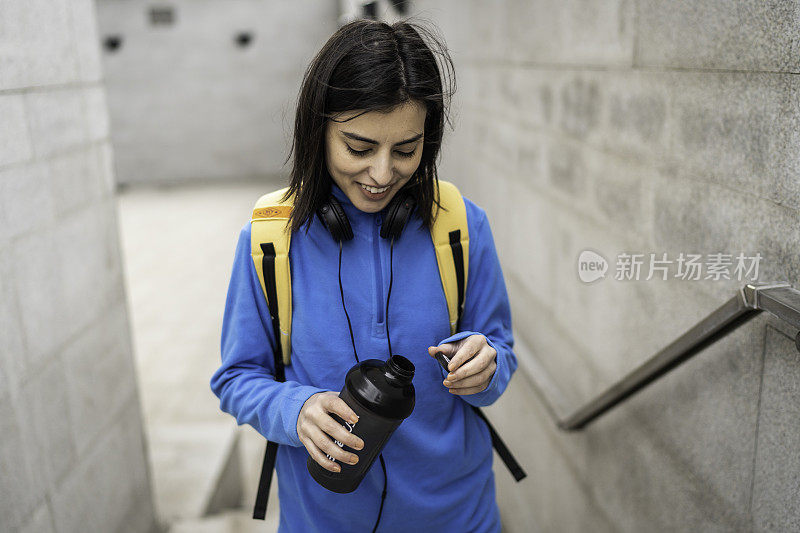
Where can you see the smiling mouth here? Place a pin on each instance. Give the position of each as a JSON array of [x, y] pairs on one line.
[[374, 190]]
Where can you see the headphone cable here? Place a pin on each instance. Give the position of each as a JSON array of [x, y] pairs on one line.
[[383, 464], [391, 275], [341, 291], [355, 353]]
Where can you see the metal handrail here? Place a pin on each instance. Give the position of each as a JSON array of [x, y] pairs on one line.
[[778, 299]]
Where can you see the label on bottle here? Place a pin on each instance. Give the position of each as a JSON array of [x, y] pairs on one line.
[[349, 426], [373, 429]]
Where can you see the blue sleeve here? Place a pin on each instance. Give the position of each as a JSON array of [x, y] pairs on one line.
[[245, 383], [486, 308]]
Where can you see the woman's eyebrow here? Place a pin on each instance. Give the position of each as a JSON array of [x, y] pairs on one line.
[[364, 139]]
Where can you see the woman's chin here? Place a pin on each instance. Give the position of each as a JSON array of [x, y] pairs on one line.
[[371, 207]]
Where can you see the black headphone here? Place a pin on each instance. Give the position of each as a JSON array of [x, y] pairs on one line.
[[397, 214]]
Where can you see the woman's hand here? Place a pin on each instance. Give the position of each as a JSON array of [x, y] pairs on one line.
[[316, 429], [472, 364]]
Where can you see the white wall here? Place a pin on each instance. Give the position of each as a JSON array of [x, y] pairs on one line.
[[72, 453], [187, 104], [642, 127]]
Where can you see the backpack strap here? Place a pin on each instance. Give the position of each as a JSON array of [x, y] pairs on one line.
[[269, 236], [265, 480], [451, 241], [269, 247]]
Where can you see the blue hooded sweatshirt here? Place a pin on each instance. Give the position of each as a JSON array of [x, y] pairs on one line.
[[439, 460]]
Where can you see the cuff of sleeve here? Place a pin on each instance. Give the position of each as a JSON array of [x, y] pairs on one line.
[[458, 336], [295, 404], [491, 388]]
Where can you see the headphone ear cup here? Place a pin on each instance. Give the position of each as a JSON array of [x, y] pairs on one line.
[[397, 215], [334, 218]]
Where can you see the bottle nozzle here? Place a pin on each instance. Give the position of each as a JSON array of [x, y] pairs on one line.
[[399, 369]]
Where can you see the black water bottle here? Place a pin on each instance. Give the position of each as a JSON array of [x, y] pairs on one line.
[[382, 396]]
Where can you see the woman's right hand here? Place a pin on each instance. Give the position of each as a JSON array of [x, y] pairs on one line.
[[317, 429]]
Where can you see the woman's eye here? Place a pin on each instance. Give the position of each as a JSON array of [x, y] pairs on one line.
[[364, 152], [356, 152]]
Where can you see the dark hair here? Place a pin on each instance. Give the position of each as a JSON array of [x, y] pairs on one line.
[[371, 66]]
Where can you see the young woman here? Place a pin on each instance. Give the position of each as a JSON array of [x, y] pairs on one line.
[[369, 124]]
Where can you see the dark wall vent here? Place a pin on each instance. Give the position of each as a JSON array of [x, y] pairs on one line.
[[370, 10], [401, 6], [243, 39], [112, 43], [162, 16]]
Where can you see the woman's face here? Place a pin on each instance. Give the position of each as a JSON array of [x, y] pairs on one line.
[[378, 150]]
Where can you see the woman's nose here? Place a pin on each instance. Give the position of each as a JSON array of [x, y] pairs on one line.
[[381, 172]]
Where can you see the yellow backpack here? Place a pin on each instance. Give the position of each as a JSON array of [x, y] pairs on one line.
[[270, 240]]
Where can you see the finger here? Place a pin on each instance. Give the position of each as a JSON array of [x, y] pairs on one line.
[[341, 433], [448, 348], [481, 378], [319, 457], [336, 405], [470, 390], [327, 446], [438, 353], [472, 367], [475, 365], [468, 349]]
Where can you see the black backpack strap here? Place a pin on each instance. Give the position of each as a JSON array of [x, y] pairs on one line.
[[458, 262], [504, 453], [264, 482], [497, 442]]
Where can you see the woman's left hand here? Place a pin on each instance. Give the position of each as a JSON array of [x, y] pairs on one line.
[[472, 364]]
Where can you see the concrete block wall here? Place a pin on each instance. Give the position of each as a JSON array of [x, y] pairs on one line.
[[187, 104], [72, 452], [641, 127]]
